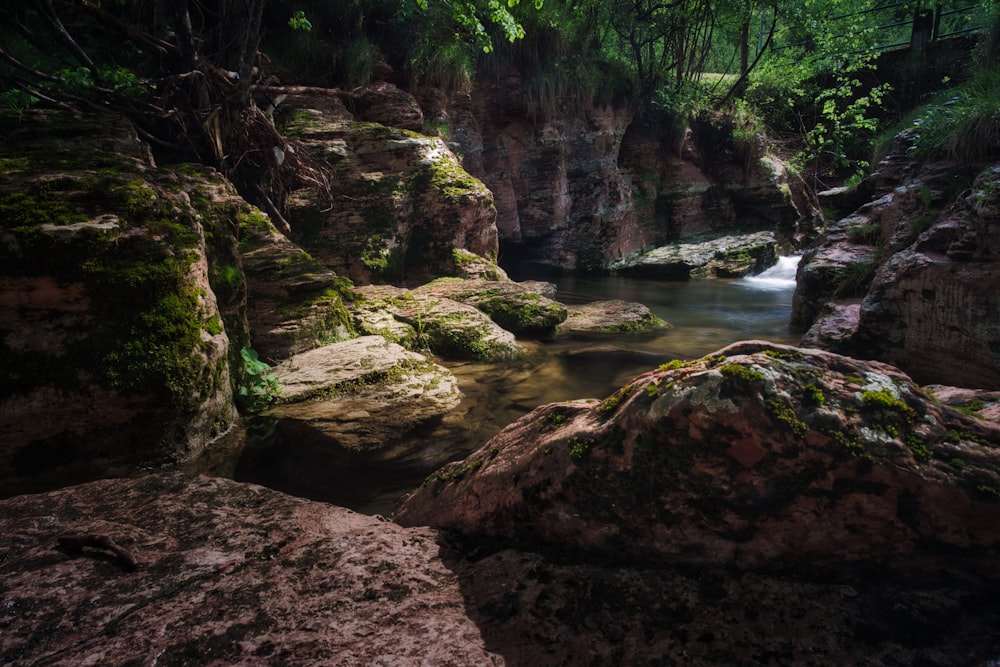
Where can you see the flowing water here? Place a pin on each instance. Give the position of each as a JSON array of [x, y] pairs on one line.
[[706, 315]]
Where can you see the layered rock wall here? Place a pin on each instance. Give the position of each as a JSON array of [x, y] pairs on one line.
[[585, 187], [912, 276]]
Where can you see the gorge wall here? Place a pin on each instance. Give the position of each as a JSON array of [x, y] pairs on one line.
[[583, 187], [911, 277]]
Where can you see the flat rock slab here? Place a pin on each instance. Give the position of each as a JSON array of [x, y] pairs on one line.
[[732, 256], [364, 393], [521, 308], [227, 573], [610, 317], [449, 328]]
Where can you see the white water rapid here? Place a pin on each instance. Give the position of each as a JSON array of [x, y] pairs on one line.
[[781, 276]]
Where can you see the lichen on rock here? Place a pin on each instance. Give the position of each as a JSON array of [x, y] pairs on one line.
[[733, 460]]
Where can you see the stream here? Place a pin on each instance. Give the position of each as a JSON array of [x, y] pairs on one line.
[[706, 315]]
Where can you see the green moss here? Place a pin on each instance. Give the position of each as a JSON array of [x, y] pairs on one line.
[[579, 448], [785, 414], [851, 445], [456, 472], [607, 407], [989, 491], [213, 325], [919, 448], [972, 408], [794, 355], [884, 399], [552, 422], [742, 373], [673, 364], [814, 394]]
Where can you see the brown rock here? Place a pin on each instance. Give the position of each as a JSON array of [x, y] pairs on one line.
[[738, 459], [399, 207], [520, 308], [610, 317], [363, 393], [922, 262], [225, 573], [115, 351]]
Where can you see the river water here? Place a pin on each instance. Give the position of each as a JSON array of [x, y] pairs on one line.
[[706, 315]]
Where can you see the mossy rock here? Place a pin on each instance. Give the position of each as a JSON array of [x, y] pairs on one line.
[[114, 351], [516, 307], [399, 207], [610, 317], [446, 327]]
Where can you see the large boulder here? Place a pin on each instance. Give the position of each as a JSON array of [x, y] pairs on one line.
[[169, 570], [364, 393], [114, 351], [396, 206], [446, 327], [761, 457], [610, 317], [520, 308]]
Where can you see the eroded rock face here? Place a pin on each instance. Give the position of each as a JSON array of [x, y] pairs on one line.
[[114, 351], [922, 264], [226, 573], [585, 187], [401, 206], [761, 456]]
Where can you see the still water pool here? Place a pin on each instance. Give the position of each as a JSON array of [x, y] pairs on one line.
[[706, 315]]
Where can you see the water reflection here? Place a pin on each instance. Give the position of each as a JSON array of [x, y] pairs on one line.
[[706, 315]]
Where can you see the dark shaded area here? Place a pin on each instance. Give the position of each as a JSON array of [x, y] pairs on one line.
[[543, 609]]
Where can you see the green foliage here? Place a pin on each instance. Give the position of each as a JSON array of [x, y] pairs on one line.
[[259, 387], [298, 21], [854, 279], [962, 123]]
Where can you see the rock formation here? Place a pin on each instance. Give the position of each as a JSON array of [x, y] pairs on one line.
[[225, 573], [398, 206], [586, 187], [763, 505], [363, 393], [736, 460], [911, 277], [699, 257], [115, 352]]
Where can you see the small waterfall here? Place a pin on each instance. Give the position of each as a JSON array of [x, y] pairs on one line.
[[781, 276]]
